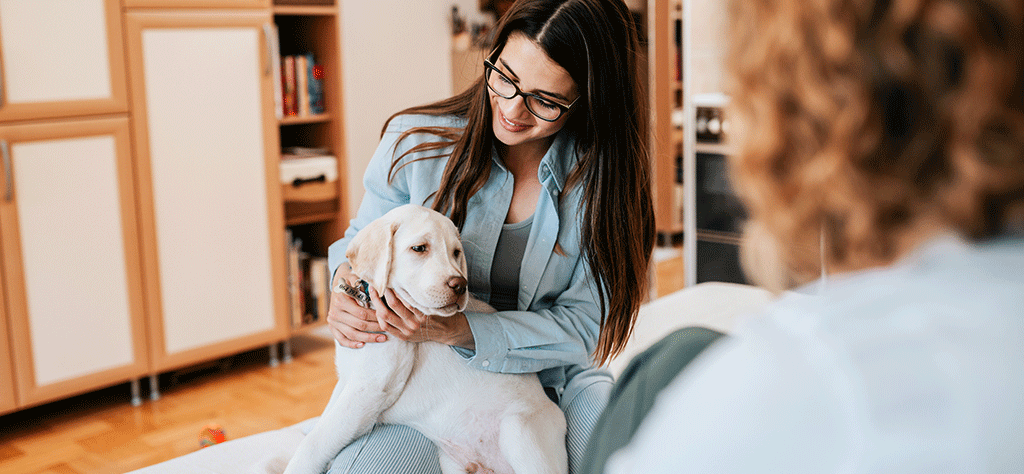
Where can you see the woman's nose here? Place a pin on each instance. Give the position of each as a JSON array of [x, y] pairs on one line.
[[514, 108]]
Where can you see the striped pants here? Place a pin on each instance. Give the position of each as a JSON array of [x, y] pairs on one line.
[[397, 449]]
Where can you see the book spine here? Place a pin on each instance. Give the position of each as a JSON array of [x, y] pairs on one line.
[[275, 65], [289, 86], [316, 87], [302, 86], [294, 290]]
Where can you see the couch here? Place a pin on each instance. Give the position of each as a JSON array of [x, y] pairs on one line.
[[713, 305]]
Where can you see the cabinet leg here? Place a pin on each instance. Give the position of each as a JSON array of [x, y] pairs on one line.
[[136, 393], [154, 387], [286, 346], [274, 358]]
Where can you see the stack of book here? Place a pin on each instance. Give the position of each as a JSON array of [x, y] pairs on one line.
[[301, 91], [308, 285]]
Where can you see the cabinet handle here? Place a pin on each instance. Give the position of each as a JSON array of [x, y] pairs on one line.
[[267, 42], [8, 178], [1, 85]]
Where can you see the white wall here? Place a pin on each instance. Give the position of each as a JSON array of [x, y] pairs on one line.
[[395, 54]]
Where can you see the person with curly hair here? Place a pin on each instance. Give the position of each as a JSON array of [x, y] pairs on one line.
[[893, 130]]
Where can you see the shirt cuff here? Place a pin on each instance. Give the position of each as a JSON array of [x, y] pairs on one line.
[[490, 340]]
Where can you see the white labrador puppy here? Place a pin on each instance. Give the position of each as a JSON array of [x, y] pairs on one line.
[[481, 421]]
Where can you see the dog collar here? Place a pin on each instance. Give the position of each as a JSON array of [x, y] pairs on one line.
[[361, 294]]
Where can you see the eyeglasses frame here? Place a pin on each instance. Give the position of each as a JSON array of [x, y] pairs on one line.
[[490, 66]]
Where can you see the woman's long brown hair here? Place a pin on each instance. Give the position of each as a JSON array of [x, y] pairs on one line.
[[596, 42]]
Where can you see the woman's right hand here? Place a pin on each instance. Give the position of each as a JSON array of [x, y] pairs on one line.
[[351, 324]]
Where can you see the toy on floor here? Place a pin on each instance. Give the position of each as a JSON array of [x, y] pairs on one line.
[[212, 434]]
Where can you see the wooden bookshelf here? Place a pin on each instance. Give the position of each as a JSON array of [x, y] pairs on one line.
[[314, 28]]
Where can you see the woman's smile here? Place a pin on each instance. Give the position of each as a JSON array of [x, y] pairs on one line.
[[510, 125]]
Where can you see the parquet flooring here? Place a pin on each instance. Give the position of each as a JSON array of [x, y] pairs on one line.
[[101, 433]]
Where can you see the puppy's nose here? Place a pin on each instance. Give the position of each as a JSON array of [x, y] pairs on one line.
[[458, 285]]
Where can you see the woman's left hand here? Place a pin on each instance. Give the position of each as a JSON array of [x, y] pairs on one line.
[[408, 324]]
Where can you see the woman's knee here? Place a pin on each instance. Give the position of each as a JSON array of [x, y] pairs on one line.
[[388, 449]]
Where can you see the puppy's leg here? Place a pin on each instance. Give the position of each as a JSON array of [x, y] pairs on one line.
[[353, 415], [534, 442], [354, 409]]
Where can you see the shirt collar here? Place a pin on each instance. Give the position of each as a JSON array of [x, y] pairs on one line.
[[557, 162]]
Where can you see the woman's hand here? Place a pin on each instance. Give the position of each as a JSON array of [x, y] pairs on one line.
[[351, 324], [408, 324]]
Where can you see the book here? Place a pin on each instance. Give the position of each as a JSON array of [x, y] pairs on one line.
[[288, 84], [275, 67], [315, 86], [302, 84], [319, 278], [295, 307]]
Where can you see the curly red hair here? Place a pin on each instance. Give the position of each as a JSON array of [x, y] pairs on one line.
[[877, 123]]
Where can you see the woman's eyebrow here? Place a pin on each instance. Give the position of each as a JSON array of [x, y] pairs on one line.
[[516, 77]]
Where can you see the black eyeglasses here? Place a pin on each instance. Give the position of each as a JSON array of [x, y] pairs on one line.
[[544, 109]]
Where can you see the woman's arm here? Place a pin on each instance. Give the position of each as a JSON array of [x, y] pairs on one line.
[[509, 341]]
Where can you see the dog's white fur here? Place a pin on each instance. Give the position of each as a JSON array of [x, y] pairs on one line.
[[481, 421]]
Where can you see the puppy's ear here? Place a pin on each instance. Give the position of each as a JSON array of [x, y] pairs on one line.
[[370, 252]]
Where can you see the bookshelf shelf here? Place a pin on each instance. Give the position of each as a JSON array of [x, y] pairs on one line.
[[305, 10], [318, 118], [310, 218]]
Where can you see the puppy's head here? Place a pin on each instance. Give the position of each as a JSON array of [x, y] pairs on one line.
[[417, 252]]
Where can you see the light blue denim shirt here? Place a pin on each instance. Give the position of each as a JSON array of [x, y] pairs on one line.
[[557, 325]]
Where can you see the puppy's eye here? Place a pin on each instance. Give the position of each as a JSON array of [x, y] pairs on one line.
[[457, 253], [419, 248]]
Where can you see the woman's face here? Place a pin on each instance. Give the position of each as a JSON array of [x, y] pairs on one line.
[[530, 68]]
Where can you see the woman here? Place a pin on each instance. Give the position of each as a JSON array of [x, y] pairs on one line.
[[895, 129], [544, 168]]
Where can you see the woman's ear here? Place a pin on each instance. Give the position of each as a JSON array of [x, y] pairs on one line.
[[371, 251]]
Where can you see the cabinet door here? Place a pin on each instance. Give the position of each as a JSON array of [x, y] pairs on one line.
[[207, 151], [60, 58], [71, 261]]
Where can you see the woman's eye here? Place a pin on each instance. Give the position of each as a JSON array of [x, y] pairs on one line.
[[419, 248], [505, 79], [547, 105]]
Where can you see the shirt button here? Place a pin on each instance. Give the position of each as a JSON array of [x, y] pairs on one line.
[[485, 363]]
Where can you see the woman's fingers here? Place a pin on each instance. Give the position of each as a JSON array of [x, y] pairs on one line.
[[349, 324], [397, 318]]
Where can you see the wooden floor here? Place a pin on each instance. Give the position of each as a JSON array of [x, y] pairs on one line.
[[101, 432]]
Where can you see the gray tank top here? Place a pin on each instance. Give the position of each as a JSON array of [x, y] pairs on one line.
[[508, 259]]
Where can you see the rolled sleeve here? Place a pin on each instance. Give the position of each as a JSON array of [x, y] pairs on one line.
[[490, 340], [563, 334]]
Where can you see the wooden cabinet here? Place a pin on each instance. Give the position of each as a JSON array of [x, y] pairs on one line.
[[206, 148], [60, 59], [70, 262], [142, 225]]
